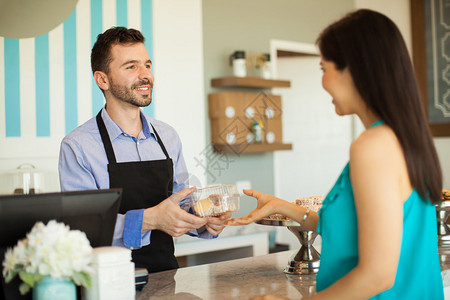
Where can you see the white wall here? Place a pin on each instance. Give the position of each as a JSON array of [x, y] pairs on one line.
[[179, 91], [320, 138]]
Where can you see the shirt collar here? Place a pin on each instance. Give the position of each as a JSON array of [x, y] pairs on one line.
[[146, 129], [114, 130]]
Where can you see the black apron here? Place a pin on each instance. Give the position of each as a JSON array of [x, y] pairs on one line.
[[145, 184]]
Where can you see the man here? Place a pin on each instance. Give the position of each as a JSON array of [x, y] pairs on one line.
[[121, 147]]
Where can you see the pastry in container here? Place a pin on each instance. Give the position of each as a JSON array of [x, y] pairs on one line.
[[215, 200], [313, 203]]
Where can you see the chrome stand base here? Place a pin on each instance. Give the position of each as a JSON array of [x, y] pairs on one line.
[[300, 268], [307, 259], [443, 240]]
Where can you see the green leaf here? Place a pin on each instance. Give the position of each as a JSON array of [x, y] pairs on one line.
[[87, 280], [30, 278], [24, 288], [10, 276], [83, 279]]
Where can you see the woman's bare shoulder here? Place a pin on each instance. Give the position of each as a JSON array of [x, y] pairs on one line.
[[376, 145]]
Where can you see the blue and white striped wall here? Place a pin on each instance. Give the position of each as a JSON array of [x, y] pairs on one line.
[[174, 34], [46, 83]]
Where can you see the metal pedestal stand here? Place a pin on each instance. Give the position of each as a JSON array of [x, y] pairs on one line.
[[307, 259], [442, 214]]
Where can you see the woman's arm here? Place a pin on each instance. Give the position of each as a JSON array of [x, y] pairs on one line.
[[268, 205], [380, 184]]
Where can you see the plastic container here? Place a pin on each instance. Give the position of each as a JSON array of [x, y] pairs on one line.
[[215, 200], [113, 277], [239, 64], [258, 131], [25, 179]]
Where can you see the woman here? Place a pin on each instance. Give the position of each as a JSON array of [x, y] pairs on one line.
[[378, 223]]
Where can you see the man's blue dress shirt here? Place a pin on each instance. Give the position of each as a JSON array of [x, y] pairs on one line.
[[83, 165]]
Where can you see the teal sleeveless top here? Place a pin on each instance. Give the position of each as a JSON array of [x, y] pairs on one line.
[[418, 273]]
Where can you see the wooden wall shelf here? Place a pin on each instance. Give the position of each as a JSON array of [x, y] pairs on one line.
[[254, 82], [250, 148]]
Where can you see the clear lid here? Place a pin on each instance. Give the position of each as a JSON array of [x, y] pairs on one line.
[[25, 179], [215, 200]]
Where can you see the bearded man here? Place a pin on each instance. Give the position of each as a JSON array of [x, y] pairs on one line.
[[123, 148]]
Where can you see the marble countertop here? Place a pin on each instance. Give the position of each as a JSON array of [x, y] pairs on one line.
[[244, 278], [234, 279]]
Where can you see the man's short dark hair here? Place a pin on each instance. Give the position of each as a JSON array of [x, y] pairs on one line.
[[101, 52]]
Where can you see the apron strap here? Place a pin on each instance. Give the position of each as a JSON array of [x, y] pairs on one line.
[[105, 138], [160, 142]]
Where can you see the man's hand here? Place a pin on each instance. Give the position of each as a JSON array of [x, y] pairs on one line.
[[167, 216], [215, 225]]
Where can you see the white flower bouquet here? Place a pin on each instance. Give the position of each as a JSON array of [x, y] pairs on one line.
[[49, 250]]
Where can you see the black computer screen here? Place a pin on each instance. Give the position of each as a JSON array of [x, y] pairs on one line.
[[93, 212]]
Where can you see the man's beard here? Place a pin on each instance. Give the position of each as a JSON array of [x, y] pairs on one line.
[[126, 94]]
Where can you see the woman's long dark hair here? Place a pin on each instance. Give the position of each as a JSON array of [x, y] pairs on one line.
[[370, 45]]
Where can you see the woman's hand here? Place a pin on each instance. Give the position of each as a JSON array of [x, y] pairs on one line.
[[266, 205]]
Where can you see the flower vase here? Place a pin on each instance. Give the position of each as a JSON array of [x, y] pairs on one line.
[[54, 288]]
